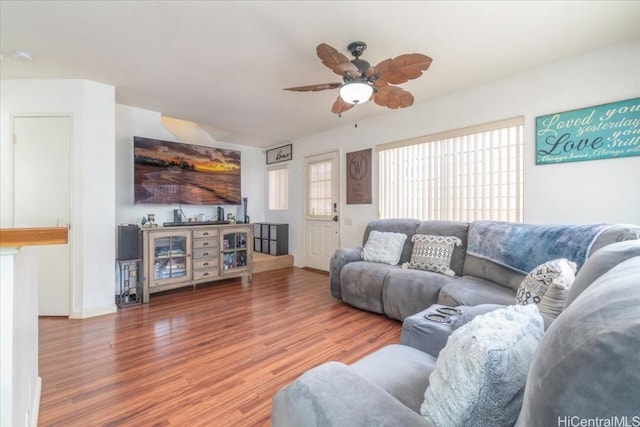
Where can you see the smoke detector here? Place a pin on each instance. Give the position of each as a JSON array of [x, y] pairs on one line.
[[22, 54]]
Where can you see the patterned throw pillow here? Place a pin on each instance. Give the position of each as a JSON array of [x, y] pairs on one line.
[[433, 253], [547, 286]]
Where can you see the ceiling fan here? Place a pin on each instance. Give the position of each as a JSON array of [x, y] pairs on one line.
[[362, 82]]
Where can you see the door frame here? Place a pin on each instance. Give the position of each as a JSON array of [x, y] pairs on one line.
[[305, 190], [72, 177]]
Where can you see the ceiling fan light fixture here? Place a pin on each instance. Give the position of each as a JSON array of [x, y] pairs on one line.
[[356, 92]]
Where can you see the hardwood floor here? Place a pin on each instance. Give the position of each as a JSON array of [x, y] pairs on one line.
[[212, 356]]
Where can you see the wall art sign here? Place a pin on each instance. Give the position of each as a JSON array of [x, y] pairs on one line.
[[601, 132], [359, 177], [279, 154]]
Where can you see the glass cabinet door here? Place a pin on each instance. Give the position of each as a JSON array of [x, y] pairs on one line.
[[170, 254], [234, 250]]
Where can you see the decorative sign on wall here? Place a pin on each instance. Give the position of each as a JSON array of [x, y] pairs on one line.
[[601, 132], [279, 154], [359, 177]]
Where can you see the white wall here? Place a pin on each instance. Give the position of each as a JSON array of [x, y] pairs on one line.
[[92, 240], [19, 381], [582, 192], [130, 122]]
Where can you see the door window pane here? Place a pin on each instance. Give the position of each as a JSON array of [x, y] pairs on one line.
[[320, 196]]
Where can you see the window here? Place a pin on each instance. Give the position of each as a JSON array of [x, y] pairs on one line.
[[278, 188], [320, 191], [464, 175]]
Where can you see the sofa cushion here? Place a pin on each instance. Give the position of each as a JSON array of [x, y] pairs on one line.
[[547, 286], [401, 370], [587, 362], [384, 247], [599, 263], [406, 292], [482, 268], [616, 233], [480, 374], [334, 394], [469, 290], [433, 253], [449, 228]]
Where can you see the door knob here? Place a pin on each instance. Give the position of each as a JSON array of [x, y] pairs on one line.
[[335, 218]]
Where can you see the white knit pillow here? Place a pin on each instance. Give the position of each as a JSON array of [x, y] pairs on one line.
[[547, 286], [384, 247], [481, 372]]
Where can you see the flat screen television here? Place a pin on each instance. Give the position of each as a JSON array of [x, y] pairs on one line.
[[174, 173]]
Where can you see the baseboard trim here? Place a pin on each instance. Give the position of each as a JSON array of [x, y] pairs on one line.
[[35, 409], [316, 270], [94, 311]]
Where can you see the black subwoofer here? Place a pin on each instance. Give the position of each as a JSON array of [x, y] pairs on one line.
[[128, 242]]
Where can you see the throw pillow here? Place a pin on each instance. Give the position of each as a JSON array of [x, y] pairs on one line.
[[384, 247], [481, 372], [547, 286], [433, 253]]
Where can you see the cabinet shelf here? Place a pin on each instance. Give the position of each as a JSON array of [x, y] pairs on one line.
[[171, 256], [234, 253]]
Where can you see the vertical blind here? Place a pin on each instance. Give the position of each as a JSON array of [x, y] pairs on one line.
[[463, 175], [279, 188]]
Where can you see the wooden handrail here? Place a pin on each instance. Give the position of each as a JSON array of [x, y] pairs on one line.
[[16, 237]]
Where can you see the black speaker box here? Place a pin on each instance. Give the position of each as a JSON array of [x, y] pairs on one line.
[[128, 242], [241, 213]]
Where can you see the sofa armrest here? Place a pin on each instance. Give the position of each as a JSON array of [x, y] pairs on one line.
[[470, 312], [430, 336], [333, 394], [339, 259]]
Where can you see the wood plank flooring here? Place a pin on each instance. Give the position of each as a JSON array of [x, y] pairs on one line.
[[213, 356]]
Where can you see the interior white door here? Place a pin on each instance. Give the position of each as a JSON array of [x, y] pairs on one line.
[[42, 198], [322, 197]]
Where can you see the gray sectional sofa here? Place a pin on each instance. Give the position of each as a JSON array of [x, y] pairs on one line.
[[584, 370], [489, 265]]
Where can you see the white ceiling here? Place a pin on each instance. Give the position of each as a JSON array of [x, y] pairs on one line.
[[223, 64]]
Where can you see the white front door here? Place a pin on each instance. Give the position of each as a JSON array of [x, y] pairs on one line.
[[42, 198], [322, 199]]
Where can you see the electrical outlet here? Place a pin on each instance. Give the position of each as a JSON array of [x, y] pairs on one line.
[[348, 221]]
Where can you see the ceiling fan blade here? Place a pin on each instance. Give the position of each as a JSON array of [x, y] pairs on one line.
[[380, 84], [403, 68], [333, 59], [314, 88], [392, 97], [339, 106]]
